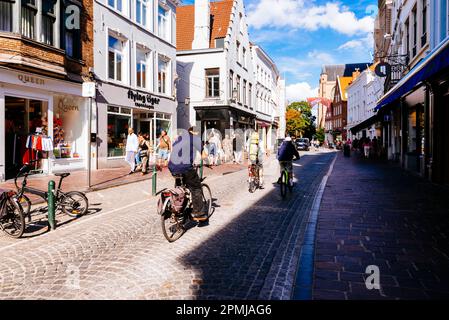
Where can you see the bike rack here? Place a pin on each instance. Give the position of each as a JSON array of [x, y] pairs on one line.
[[51, 205]]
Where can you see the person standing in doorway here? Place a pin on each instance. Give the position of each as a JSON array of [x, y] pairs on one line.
[[164, 148], [132, 146]]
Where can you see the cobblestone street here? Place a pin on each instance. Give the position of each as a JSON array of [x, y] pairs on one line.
[[250, 250]]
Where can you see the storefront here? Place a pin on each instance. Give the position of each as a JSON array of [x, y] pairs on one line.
[[120, 108], [41, 119]]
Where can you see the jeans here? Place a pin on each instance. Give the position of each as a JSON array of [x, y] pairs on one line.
[[193, 182]]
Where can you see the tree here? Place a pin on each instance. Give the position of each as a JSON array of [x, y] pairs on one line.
[[300, 121], [320, 135]]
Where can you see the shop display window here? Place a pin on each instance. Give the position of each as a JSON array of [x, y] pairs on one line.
[[68, 137], [119, 120]]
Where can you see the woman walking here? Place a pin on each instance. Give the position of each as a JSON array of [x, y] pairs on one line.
[[164, 148], [145, 150]]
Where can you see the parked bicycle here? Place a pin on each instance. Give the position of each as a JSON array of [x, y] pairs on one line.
[[12, 218], [253, 178], [73, 203], [175, 208]]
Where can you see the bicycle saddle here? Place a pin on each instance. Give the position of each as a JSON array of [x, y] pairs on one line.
[[63, 175]]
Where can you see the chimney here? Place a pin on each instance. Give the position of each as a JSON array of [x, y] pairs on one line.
[[202, 25], [356, 73]]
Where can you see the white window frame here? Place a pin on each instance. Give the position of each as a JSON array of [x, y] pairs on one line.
[[148, 67], [120, 53], [8, 17], [212, 78], [147, 4], [166, 85], [166, 23]]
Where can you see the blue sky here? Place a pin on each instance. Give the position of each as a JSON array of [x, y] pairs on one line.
[[301, 35]]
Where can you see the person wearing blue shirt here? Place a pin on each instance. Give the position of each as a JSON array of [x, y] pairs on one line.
[[181, 162], [286, 153]]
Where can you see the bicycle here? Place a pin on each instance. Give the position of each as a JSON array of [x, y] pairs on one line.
[[285, 178], [12, 218], [175, 220], [253, 178], [73, 203]]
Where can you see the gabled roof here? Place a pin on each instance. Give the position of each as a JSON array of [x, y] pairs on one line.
[[343, 84], [342, 70], [220, 12]]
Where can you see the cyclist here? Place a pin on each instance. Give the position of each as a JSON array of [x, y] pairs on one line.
[[181, 163], [256, 154], [286, 153]]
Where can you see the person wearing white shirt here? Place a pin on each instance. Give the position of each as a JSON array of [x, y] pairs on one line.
[[132, 146]]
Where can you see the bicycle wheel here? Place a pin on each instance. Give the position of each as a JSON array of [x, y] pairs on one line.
[[25, 203], [74, 204], [207, 199], [284, 183], [13, 222], [172, 224]]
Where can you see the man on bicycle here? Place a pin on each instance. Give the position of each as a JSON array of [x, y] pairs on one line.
[[286, 153], [181, 163], [256, 155]]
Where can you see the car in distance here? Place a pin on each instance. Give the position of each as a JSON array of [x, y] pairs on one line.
[[302, 144]]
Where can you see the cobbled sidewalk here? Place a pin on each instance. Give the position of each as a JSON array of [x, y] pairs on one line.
[[376, 214]]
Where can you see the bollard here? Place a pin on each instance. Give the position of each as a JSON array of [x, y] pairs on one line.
[[51, 205], [153, 180], [201, 168]]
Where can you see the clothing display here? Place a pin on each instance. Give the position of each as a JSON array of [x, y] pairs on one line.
[[39, 142]]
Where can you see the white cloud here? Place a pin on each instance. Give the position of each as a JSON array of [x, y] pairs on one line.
[[300, 14], [300, 91], [365, 43], [302, 68]]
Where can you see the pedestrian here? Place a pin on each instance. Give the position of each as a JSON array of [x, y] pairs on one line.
[[145, 150], [138, 157], [205, 153], [367, 147], [214, 149], [237, 147], [132, 146], [375, 147], [164, 148]]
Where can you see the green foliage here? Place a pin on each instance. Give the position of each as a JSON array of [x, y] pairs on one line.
[[300, 121], [320, 135]]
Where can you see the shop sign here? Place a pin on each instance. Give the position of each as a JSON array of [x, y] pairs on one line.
[[89, 89], [143, 100], [63, 106], [30, 79]]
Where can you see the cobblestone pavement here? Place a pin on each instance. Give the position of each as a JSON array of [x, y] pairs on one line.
[[249, 250], [376, 214]]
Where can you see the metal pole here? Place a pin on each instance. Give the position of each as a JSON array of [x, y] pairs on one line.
[[51, 205], [89, 146], [154, 181], [201, 167]]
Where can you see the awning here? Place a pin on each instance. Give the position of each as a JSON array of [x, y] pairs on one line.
[[364, 124], [435, 61]]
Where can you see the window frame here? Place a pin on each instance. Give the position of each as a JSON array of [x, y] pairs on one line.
[[166, 85], [33, 9], [146, 80], [211, 82], [165, 17], [238, 82], [8, 16], [116, 53]]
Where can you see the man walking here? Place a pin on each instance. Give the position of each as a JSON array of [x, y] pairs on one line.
[[132, 145]]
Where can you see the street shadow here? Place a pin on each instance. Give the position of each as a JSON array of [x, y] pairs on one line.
[[235, 261]]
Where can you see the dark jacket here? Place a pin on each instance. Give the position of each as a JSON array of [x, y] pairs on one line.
[[287, 151], [183, 153]]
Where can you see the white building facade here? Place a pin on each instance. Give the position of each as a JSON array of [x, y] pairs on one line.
[[216, 85], [363, 93], [135, 67], [270, 94]]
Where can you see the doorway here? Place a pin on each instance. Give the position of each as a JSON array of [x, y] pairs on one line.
[[23, 117]]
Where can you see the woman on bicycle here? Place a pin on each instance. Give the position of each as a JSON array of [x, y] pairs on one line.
[[286, 153]]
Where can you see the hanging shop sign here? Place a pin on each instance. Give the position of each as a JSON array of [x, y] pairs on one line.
[[383, 70], [143, 100]]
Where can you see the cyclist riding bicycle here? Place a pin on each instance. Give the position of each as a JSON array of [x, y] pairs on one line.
[[256, 154], [286, 153], [181, 164]]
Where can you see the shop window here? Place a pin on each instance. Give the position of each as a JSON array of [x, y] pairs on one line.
[[119, 121], [163, 23], [163, 67], [68, 136], [28, 18], [115, 58], [213, 83], [6, 15], [142, 67], [48, 21]]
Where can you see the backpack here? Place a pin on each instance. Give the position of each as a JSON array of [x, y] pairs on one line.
[[254, 148], [178, 198]]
